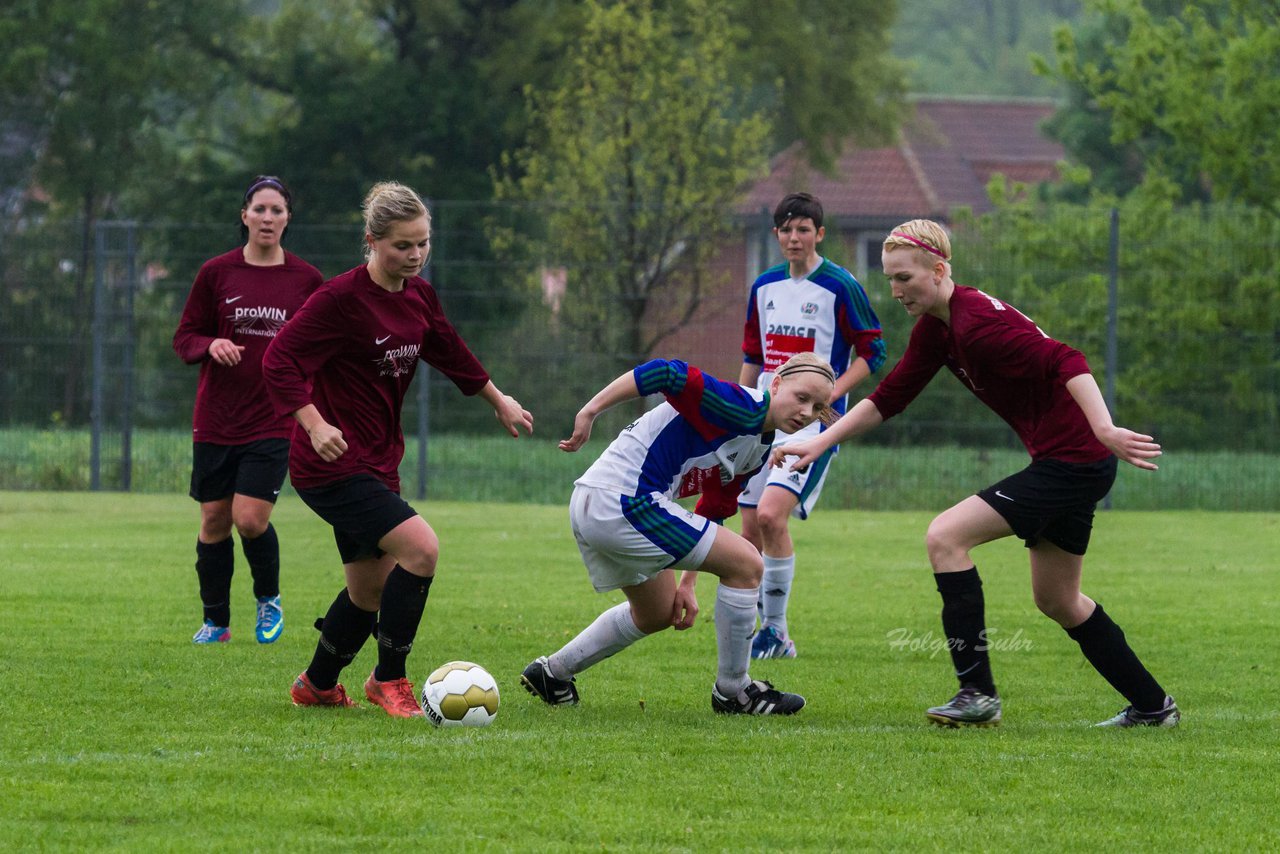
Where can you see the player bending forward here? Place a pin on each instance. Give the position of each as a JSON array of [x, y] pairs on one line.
[[708, 438]]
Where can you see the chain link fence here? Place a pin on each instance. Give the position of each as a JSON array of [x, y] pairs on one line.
[[1179, 316]]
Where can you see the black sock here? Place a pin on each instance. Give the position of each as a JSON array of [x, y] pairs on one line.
[[215, 562], [964, 621], [1103, 643], [263, 554], [404, 597], [342, 632]]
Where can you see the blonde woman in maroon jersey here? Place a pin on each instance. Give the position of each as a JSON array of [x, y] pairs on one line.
[[1044, 390], [342, 368], [238, 303]]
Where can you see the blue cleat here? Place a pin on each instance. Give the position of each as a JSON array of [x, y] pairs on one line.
[[209, 633], [270, 619], [770, 643]]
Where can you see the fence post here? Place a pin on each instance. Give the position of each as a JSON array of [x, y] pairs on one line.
[[97, 331], [127, 357], [1113, 320]]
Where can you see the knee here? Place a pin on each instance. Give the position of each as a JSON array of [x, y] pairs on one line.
[[748, 571], [250, 526], [772, 522], [423, 559], [938, 541], [1061, 610]]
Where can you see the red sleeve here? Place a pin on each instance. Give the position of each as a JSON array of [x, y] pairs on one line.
[[198, 326], [924, 356], [443, 349], [300, 349]]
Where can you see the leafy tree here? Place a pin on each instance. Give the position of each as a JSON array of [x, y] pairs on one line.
[[821, 69], [636, 159], [1194, 90], [105, 79]]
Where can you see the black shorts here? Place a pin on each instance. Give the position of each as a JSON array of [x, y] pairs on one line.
[[1053, 500], [255, 469], [362, 510]]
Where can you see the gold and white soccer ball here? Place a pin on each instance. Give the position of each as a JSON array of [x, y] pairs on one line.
[[460, 693]]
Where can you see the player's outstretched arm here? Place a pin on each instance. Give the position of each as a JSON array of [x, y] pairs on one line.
[[508, 410], [862, 418], [1135, 449], [623, 388]]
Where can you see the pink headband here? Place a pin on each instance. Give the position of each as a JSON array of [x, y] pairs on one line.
[[920, 243]]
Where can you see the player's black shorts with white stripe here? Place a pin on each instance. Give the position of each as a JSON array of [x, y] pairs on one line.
[[256, 469], [362, 510], [1053, 500]]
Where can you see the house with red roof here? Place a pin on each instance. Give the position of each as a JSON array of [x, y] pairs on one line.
[[946, 154]]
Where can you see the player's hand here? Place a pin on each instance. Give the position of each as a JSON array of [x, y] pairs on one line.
[[684, 611], [581, 431], [327, 441], [1134, 448], [224, 352], [513, 416], [795, 457]]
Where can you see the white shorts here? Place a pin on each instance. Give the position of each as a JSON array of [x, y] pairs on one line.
[[805, 485], [626, 541]]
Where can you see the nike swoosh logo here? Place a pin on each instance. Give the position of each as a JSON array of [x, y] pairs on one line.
[[382, 340], [275, 630], [1000, 494], [233, 299]]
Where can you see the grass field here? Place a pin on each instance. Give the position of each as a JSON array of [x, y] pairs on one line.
[[119, 734]]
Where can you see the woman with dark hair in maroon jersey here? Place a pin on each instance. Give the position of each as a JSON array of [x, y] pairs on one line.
[[342, 367], [1045, 392], [238, 303]]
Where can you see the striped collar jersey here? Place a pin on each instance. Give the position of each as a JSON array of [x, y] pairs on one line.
[[826, 312], [706, 439]]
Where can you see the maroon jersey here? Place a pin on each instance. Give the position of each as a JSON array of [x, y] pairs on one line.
[[247, 305], [1009, 364], [352, 350]]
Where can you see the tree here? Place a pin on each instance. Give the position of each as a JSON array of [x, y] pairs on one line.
[[822, 69], [636, 159], [1195, 92], [105, 79]]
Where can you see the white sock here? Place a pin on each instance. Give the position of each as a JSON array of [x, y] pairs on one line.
[[775, 591], [612, 632], [735, 620]]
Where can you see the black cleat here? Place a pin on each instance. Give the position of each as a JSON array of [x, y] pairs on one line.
[[539, 682], [761, 699]]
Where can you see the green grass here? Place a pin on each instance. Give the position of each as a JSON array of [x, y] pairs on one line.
[[495, 468], [119, 734]]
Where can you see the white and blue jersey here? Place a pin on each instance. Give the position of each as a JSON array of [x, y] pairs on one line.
[[826, 312], [705, 439], [701, 441]]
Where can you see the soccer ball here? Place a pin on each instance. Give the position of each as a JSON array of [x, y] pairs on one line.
[[460, 694]]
